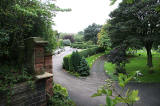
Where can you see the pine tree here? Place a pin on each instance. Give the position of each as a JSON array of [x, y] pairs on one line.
[[83, 68], [74, 61]]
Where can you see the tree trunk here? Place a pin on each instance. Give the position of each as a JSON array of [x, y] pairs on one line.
[[149, 57]]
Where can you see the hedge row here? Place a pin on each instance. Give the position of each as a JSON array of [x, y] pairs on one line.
[[84, 53], [91, 51], [82, 46], [76, 64]]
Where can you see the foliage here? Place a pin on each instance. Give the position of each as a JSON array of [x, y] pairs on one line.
[[21, 19], [78, 37], [118, 57], [92, 59], [129, 97], [60, 43], [74, 61], [83, 68], [90, 33], [52, 43], [91, 51], [137, 62], [66, 62], [9, 76], [103, 37], [82, 46], [4, 41], [66, 42], [60, 97], [137, 24], [70, 37]]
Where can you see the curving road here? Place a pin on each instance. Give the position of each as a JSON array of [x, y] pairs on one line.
[[81, 89]]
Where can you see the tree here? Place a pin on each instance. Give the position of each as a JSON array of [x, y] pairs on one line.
[[70, 37], [74, 61], [103, 37], [137, 24], [90, 33], [83, 68], [118, 57], [66, 42], [20, 19]]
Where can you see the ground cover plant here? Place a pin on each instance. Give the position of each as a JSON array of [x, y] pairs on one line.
[[60, 97], [137, 63]]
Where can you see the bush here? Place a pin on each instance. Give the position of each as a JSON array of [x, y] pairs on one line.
[[66, 62], [66, 42], [85, 53], [70, 37], [82, 46], [83, 68], [74, 61], [91, 51], [60, 97]]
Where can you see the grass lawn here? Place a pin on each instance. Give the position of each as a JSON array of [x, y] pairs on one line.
[[92, 59], [138, 63]]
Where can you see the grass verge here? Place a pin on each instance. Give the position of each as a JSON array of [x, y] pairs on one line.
[[138, 63], [92, 59]]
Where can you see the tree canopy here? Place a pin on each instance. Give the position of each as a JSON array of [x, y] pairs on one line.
[[90, 33], [137, 24], [103, 37], [20, 19]]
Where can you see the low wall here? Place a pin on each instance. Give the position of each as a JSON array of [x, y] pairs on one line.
[[25, 95]]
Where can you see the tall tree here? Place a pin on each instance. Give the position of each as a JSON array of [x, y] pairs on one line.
[[20, 19], [90, 33], [137, 24], [70, 37], [103, 37]]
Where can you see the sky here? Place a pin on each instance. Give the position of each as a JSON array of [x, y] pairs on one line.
[[83, 14]]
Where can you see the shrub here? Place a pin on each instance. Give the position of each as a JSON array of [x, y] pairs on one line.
[[82, 46], [66, 62], [74, 61], [70, 37], [83, 68], [91, 51], [60, 97], [66, 42], [118, 57]]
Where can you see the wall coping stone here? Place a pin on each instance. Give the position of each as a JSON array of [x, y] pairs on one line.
[[37, 40], [43, 76]]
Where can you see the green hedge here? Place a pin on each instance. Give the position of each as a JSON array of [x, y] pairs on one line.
[[82, 46], [84, 53], [91, 51]]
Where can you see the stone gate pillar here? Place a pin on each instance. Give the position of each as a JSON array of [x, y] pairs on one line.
[[39, 62], [34, 55]]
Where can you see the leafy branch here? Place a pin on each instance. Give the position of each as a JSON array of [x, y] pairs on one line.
[[114, 96]]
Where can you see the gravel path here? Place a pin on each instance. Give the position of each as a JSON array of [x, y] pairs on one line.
[[81, 89]]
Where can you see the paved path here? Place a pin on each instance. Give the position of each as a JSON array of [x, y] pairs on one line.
[[80, 89]]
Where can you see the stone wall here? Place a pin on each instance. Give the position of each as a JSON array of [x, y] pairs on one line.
[[25, 95], [39, 63]]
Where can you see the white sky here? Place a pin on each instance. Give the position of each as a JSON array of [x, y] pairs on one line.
[[84, 13]]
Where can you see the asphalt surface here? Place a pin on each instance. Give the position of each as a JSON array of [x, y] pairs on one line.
[[81, 89]]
